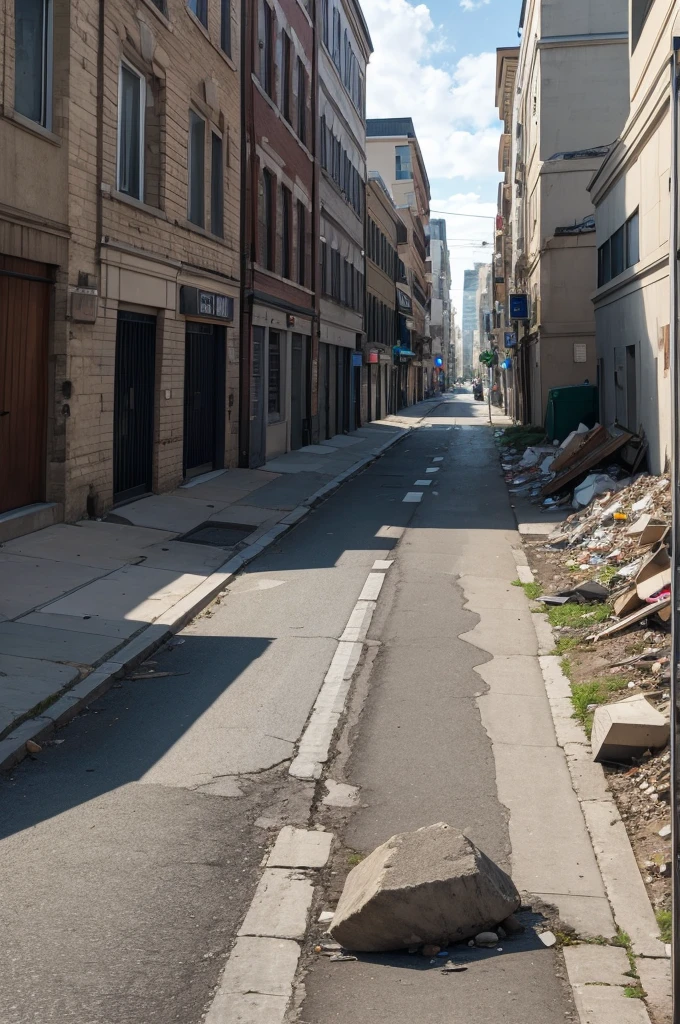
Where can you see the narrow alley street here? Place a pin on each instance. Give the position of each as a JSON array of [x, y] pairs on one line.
[[132, 845]]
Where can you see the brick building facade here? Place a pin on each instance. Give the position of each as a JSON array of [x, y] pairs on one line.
[[120, 199], [279, 325]]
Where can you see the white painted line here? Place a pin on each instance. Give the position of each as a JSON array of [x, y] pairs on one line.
[[300, 848], [382, 564], [280, 906], [372, 587], [423, 483], [359, 621], [438, 458], [413, 497], [432, 469]]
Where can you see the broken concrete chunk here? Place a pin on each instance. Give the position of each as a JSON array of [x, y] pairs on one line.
[[486, 939], [431, 886], [627, 728]]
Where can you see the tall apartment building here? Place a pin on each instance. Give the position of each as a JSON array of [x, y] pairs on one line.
[[380, 386], [471, 321], [279, 343], [119, 264], [484, 300], [507, 59], [394, 152], [344, 49], [633, 215], [571, 100], [440, 302]]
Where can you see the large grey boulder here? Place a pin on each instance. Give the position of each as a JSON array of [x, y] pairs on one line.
[[429, 886]]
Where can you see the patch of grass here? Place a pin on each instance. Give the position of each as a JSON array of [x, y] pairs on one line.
[[565, 665], [354, 859], [522, 436], [596, 940], [532, 590], [566, 939], [638, 647], [576, 615], [622, 939], [564, 644], [664, 919], [606, 573], [634, 992], [596, 691]]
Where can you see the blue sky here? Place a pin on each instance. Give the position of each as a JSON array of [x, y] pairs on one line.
[[435, 62]]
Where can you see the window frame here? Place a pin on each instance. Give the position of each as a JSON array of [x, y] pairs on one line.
[[301, 101], [325, 22], [286, 76], [274, 415], [225, 27], [268, 51], [301, 241], [286, 232], [195, 117], [268, 186], [634, 219], [216, 227], [398, 170], [199, 9], [46, 67], [604, 264], [617, 243], [131, 69]]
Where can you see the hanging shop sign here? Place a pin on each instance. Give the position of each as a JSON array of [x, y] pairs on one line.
[[519, 307], [510, 339], [196, 302]]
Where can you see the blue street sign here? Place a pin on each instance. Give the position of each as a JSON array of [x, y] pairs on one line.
[[519, 307], [510, 339]]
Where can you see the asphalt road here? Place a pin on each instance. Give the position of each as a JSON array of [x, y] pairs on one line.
[[130, 847]]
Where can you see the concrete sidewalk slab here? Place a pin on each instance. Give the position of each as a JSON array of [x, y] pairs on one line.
[[168, 512], [132, 593], [52, 645], [28, 583], [118, 629]]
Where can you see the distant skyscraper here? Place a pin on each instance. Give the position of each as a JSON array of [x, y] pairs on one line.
[[470, 317]]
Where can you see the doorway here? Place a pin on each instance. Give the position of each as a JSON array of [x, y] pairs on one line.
[[298, 392], [133, 405], [25, 293], [257, 411], [204, 383]]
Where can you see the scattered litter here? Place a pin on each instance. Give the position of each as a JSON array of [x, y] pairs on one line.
[[627, 728], [452, 968], [548, 939], [665, 832], [342, 958], [326, 916], [32, 747]]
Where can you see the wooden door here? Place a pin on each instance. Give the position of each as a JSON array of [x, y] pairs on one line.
[[25, 293]]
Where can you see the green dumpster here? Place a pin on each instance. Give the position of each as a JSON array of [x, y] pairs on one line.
[[569, 406]]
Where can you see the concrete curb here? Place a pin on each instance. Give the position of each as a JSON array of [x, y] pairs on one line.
[[71, 702], [616, 861]]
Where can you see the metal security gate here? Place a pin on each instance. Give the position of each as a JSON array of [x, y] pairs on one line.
[[133, 405], [25, 289], [204, 383], [257, 421], [298, 392]]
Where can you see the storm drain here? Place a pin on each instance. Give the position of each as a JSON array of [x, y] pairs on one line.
[[218, 535]]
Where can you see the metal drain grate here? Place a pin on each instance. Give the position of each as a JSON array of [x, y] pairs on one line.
[[218, 535]]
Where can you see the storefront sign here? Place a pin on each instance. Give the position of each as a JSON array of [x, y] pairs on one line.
[[373, 357], [510, 339], [196, 302], [519, 307], [357, 359]]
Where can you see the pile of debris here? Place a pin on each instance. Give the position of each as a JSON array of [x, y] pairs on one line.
[[628, 538], [552, 473]]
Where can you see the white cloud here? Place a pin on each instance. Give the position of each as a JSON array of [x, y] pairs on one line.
[[452, 106], [472, 5]]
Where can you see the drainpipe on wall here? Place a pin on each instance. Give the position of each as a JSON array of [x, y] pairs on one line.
[[675, 404], [245, 304]]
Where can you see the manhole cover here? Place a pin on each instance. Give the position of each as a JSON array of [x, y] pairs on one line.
[[218, 535]]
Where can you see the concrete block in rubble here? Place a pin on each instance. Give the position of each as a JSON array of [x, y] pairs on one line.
[[626, 729], [429, 886]]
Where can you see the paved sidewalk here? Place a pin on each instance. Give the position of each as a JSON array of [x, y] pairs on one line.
[[81, 603]]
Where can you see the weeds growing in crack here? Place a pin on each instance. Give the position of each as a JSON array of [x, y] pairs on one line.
[[664, 919], [532, 590]]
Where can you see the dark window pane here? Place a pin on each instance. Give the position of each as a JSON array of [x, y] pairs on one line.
[[302, 101], [225, 27], [196, 169], [633, 240], [301, 242], [129, 134], [268, 51], [617, 253], [274, 376], [33, 45], [404, 170], [217, 187], [324, 19], [200, 9], [604, 264], [286, 75], [268, 254], [285, 232]]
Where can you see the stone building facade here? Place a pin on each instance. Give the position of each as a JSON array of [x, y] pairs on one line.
[[380, 388], [120, 186]]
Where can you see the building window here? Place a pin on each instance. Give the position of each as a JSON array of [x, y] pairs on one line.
[[337, 38], [196, 169], [286, 214], [200, 9], [301, 242], [302, 102], [639, 11], [33, 60], [274, 376], [268, 200], [268, 51], [324, 21], [633, 240], [404, 170], [131, 109], [217, 187], [286, 73], [604, 264], [618, 259], [225, 27]]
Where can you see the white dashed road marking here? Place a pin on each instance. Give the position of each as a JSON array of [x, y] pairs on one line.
[[423, 483], [413, 496]]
